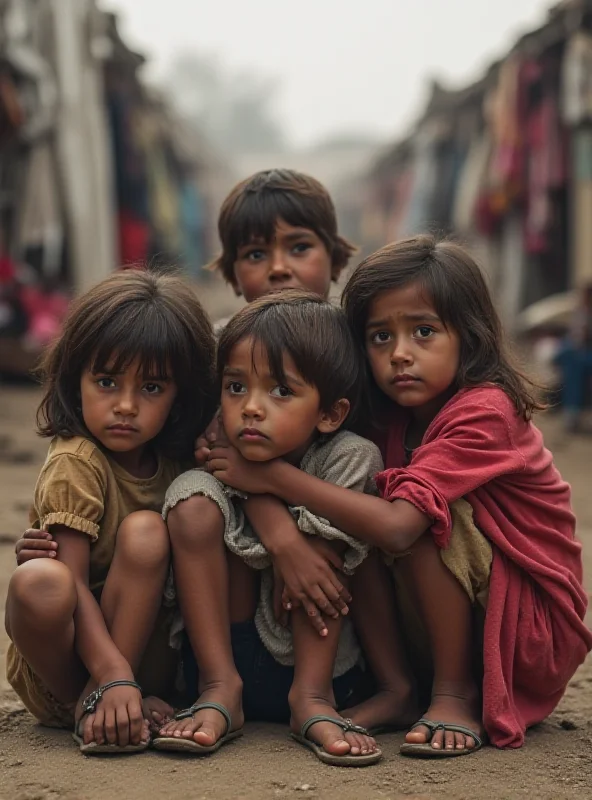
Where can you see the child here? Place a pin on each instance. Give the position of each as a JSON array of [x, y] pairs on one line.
[[278, 230], [290, 378], [127, 386], [477, 514]]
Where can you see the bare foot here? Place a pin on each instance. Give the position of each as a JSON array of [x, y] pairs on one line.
[[331, 737], [156, 713], [207, 726], [388, 708], [457, 709]]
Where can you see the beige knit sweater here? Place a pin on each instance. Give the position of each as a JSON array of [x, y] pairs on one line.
[[344, 459]]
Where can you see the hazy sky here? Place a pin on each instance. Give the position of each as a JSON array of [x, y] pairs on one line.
[[362, 69]]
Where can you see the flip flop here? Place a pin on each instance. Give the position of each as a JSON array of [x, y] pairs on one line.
[[176, 744], [425, 750], [346, 726], [94, 749]]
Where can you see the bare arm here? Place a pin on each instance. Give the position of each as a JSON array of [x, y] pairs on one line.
[[391, 526]]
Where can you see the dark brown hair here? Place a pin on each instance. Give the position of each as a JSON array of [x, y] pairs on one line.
[[454, 284], [252, 209], [312, 331], [156, 318]]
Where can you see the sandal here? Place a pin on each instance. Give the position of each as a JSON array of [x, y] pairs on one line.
[[178, 744], [89, 706], [425, 750], [346, 726]]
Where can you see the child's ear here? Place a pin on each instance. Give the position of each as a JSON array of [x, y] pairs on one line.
[[332, 420]]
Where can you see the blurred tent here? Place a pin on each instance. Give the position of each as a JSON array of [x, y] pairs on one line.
[[505, 166], [96, 170], [552, 313]]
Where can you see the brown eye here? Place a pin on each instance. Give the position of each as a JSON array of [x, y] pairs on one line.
[[424, 332]]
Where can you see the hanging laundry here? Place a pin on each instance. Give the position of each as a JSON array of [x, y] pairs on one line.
[[577, 79]]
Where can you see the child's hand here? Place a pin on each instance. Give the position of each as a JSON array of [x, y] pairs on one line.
[[118, 718], [35, 544], [204, 443], [227, 464], [309, 576]]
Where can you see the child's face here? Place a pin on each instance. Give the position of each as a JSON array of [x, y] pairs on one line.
[[296, 258], [124, 412], [413, 357], [266, 420]]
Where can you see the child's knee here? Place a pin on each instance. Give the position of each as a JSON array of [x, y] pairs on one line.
[[195, 521], [143, 539], [42, 591]]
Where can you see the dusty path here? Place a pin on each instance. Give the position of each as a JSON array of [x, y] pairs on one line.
[[37, 764]]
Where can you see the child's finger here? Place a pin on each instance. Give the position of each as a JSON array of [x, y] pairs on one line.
[[201, 456], [97, 727], [338, 595], [33, 533], [110, 725], [314, 616], [323, 603], [35, 544], [123, 726], [30, 555]]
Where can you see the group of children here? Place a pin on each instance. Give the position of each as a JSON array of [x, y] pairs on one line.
[[341, 518]]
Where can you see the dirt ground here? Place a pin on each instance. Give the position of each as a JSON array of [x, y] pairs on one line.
[[41, 764]]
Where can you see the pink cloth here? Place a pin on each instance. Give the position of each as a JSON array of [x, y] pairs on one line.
[[478, 448]]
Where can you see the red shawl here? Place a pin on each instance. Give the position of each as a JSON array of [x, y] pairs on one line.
[[478, 448]]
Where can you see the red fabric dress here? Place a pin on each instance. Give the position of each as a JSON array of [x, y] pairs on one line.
[[535, 638]]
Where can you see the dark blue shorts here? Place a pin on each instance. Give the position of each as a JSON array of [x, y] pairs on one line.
[[266, 683]]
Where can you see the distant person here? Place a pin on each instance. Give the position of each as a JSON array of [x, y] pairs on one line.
[[128, 385], [575, 362], [487, 567]]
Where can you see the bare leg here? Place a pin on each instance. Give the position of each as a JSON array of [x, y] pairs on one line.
[[377, 627], [131, 601], [42, 601], [312, 690], [244, 588], [447, 613], [40, 606], [196, 528]]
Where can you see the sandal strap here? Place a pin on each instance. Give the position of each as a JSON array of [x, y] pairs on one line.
[[346, 725], [90, 703], [189, 712], [448, 726]]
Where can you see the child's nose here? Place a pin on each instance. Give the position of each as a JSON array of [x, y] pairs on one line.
[[400, 354], [279, 265], [252, 407], [126, 405]]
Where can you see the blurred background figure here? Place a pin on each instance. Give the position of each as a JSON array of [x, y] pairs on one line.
[[574, 360]]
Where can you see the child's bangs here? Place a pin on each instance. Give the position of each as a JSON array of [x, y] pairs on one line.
[[275, 337], [147, 339], [437, 291], [256, 217]]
